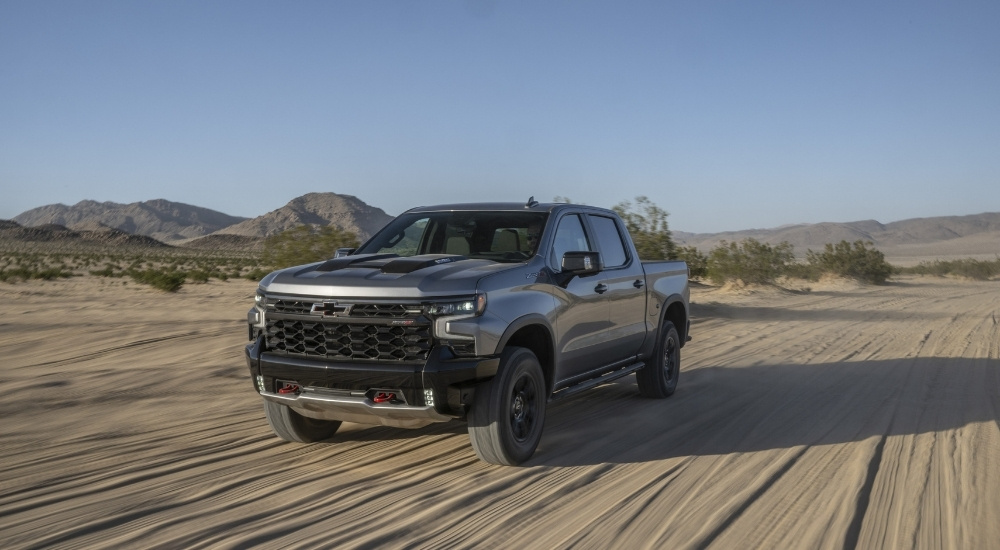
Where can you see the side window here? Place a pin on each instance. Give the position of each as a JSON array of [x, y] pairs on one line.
[[610, 240], [570, 237]]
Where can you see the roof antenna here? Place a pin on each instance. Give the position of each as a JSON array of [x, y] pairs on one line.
[[531, 202]]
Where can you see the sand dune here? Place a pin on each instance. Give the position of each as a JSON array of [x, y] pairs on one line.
[[843, 417]]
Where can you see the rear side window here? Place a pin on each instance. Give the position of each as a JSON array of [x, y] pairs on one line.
[[610, 241]]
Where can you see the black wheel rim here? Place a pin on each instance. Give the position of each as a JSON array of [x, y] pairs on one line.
[[523, 408], [669, 358]]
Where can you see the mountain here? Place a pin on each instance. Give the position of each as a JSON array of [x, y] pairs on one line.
[[54, 234], [160, 219], [343, 211], [189, 226], [973, 235]]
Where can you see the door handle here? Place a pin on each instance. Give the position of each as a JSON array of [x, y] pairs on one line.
[[601, 288], [638, 283]]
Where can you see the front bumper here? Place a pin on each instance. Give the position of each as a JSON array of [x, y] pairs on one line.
[[437, 390]]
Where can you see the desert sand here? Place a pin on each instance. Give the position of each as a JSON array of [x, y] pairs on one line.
[[842, 417]]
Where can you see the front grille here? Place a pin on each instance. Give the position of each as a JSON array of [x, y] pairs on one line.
[[349, 341], [343, 330], [289, 306], [305, 307]]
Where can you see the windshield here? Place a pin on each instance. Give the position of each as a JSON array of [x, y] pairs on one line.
[[498, 236]]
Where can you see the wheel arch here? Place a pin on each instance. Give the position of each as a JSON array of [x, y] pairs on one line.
[[675, 311], [534, 333]]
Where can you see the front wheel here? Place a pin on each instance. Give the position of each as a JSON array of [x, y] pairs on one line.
[[658, 379], [292, 426], [506, 417]]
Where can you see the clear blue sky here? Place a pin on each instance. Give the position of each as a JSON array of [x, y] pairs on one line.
[[730, 115]]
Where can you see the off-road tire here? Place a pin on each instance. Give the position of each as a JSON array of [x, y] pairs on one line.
[[292, 426], [508, 412], [658, 379]]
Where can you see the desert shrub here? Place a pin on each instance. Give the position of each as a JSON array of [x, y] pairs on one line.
[[749, 261], [802, 270], [255, 274], [15, 274], [169, 281], [860, 261], [108, 271], [306, 244], [980, 270], [22, 273], [52, 273], [697, 262], [198, 276], [647, 223]]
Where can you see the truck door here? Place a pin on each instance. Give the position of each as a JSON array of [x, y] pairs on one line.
[[582, 323], [626, 292]]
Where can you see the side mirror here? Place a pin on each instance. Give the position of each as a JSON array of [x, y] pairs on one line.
[[341, 252], [582, 263]]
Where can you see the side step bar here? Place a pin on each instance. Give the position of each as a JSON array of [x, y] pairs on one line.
[[594, 382]]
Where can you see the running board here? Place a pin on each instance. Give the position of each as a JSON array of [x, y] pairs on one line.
[[594, 382]]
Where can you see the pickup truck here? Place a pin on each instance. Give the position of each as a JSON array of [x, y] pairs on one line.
[[482, 312]]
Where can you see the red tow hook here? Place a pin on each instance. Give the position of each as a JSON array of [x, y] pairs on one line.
[[384, 397], [290, 388]]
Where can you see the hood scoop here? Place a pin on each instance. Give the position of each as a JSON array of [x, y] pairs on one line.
[[354, 261], [409, 265]]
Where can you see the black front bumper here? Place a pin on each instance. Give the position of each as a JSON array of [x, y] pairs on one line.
[[435, 390]]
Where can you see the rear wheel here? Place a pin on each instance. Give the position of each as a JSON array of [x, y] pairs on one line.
[[506, 418], [658, 379], [292, 426]]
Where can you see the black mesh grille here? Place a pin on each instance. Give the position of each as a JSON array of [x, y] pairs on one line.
[[349, 341]]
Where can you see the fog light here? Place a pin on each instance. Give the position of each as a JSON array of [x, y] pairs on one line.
[[260, 383], [429, 398]]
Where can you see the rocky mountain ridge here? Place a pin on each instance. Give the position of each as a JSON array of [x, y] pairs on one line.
[[160, 219], [178, 223], [11, 231], [975, 235], [344, 211]]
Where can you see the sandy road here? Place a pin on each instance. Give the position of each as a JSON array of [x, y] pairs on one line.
[[839, 418]]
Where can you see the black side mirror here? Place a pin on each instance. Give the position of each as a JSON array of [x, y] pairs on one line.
[[582, 263], [341, 252]]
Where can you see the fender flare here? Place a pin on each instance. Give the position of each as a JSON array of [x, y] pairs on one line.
[[521, 322]]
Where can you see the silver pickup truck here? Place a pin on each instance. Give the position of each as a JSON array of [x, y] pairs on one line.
[[478, 311]]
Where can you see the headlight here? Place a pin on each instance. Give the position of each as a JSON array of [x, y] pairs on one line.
[[260, 298], [471, 306]]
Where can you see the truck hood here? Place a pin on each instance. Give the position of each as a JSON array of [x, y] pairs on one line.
[[385, 276]]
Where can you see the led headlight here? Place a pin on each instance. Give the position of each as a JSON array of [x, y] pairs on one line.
[[472, 306], [260, 298]]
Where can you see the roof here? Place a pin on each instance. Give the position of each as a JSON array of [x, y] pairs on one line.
[[501, 207]]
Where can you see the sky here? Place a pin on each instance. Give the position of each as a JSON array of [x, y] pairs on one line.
[[728, 115]]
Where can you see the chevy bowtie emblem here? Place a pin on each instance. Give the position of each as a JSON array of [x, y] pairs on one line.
[[330, 309]]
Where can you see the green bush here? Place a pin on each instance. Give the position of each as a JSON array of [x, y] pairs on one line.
[[860, 261], [108, 271], [647, 223], [306, 244], [198, 276], [697, 262], [21, 273], [255, 274], [750, 261], [980, 270], [169, 281]]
